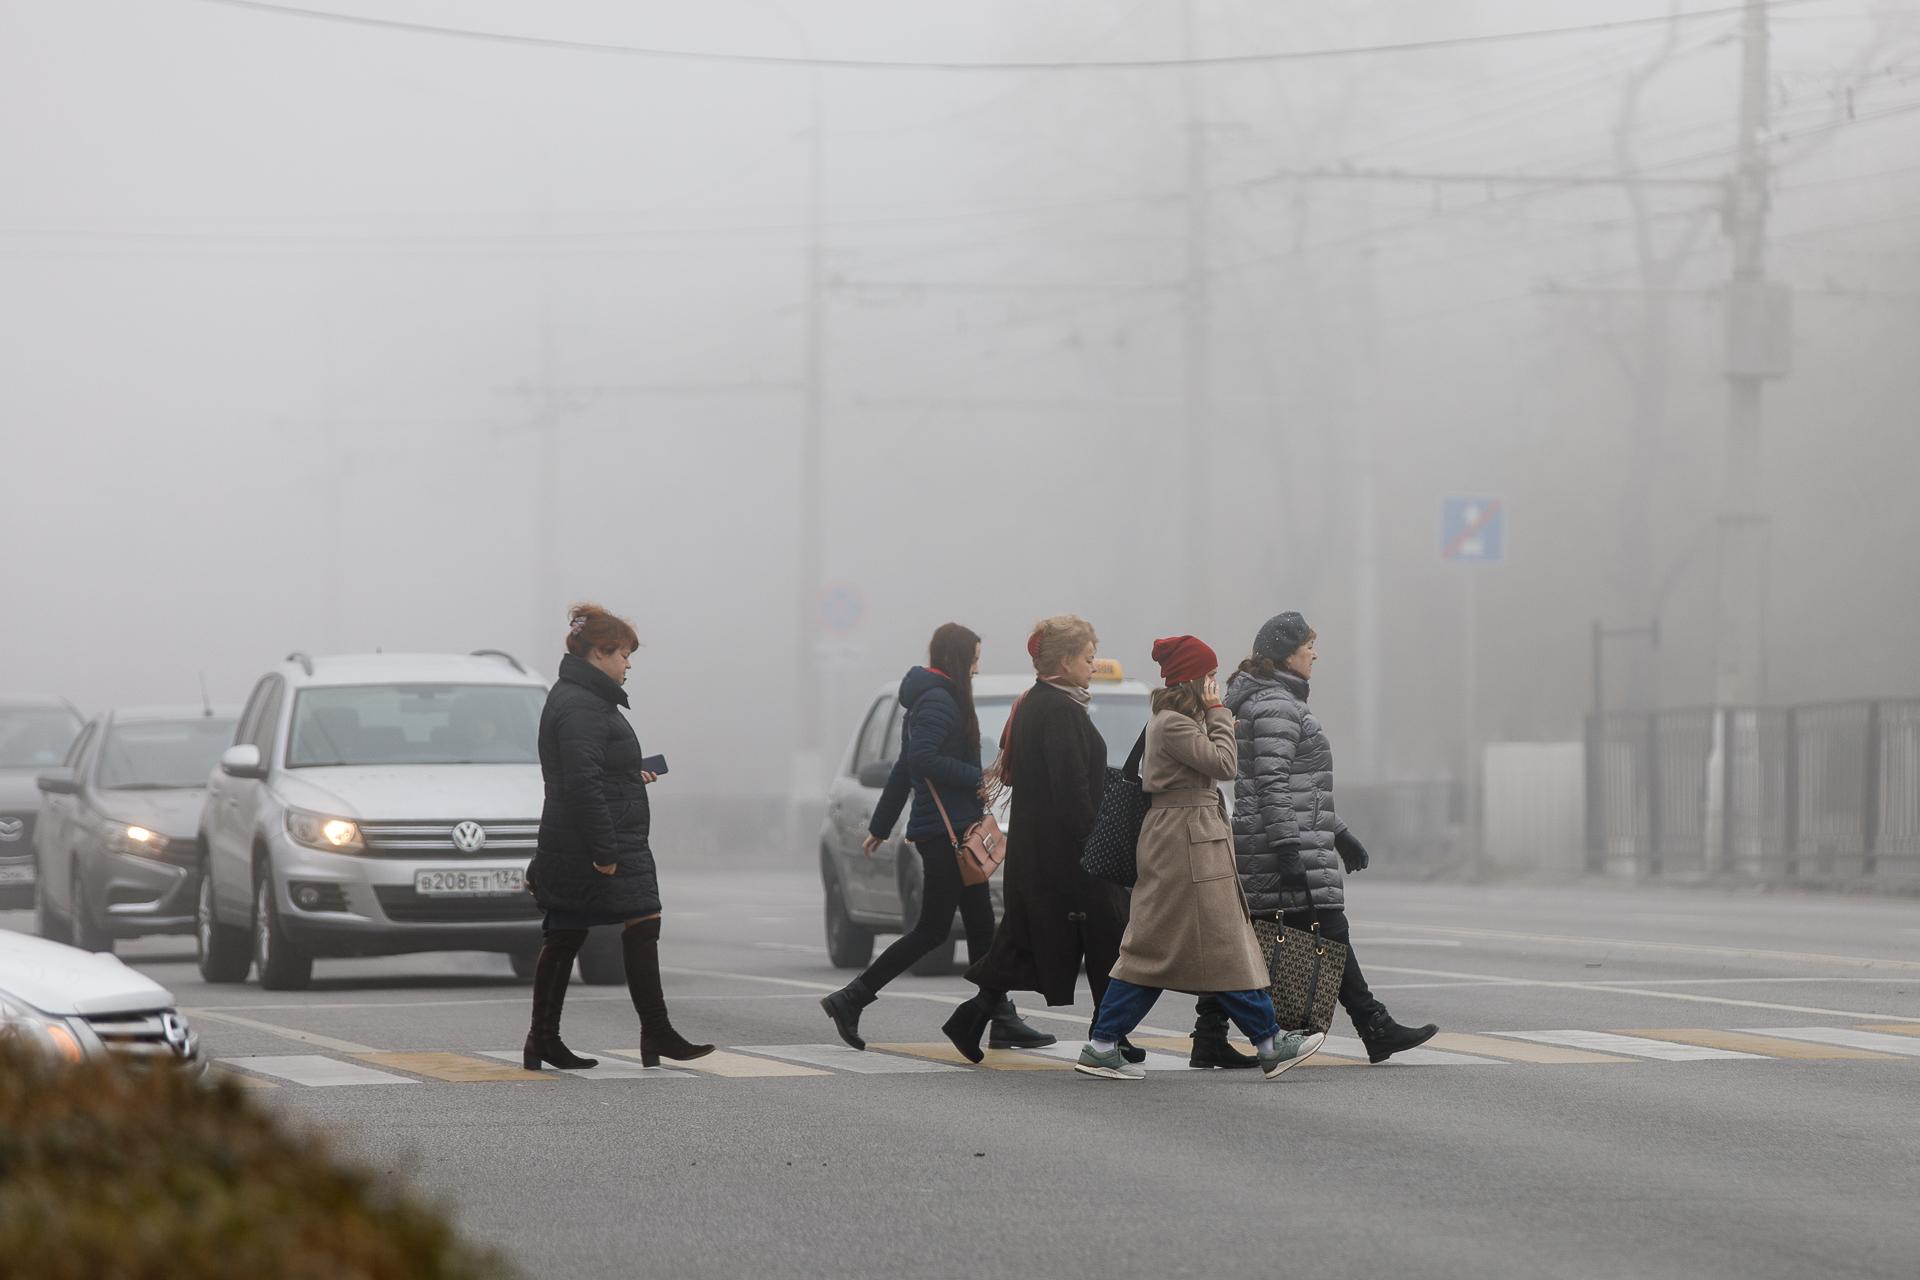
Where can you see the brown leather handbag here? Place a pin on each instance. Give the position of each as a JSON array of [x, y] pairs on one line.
[[981, 851]]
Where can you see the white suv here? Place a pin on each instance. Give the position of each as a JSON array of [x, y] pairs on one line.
[[373, 805]]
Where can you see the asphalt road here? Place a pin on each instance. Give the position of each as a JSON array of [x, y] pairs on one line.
[[1694, 1148]]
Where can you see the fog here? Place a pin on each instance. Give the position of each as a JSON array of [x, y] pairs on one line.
[[333, 336]]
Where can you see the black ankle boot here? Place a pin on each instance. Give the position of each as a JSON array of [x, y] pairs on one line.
[[1210, 1046], [550, 974], [1384, 1037], [844, 1007], [1010, 1031], [968, 1024], [640, 950]]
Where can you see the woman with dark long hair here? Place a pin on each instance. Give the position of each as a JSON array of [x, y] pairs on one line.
[[594, 864], [940, 754]]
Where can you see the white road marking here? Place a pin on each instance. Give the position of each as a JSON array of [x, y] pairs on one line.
[[1408, 942], [1878, 1041], [1630, 1046], [1630, 944], [314, 1071], [1493, 979], [840, 1057], [1349, 1047], [610, 1068]]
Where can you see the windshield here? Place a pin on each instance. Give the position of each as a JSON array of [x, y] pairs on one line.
[[163, 755], [36, 737], [1118, 716], [416, 724]]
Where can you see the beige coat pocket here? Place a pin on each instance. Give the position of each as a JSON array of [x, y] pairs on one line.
[[1209, 848]]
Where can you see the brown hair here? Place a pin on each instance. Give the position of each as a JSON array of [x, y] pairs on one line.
[[951, 653], [1056, 639], [591, 629], [1184, 697]]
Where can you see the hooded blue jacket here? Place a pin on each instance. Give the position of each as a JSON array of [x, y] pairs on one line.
[[936, 750]]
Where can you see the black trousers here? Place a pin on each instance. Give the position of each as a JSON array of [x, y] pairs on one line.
[[1355, 997], [943, 894]]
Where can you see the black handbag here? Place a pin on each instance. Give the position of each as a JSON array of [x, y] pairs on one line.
[[1304, 968], [1109, 853]]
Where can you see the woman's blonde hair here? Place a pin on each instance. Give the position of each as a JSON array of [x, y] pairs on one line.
[[1185, 698], [1056, 639]]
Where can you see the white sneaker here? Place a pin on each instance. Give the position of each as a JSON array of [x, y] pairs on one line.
[[1110, 1065], [1289, 1051]]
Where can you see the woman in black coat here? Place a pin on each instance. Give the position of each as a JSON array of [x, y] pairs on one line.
[[593, 865], [1057, 915]]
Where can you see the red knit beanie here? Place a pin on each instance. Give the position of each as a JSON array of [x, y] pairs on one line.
[[1184, 658], [1033, 646]]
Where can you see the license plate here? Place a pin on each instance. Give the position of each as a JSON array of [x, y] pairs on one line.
[[470, 882], [22, 874]]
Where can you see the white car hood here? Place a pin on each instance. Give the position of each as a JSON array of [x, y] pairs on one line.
[[67, 981], [417, 792]]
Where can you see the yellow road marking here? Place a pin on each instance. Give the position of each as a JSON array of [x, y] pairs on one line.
[[1896, 1028], [996, 1059], [457, 1068], [1747, 1042], [1519, 1050], [736, 1066]]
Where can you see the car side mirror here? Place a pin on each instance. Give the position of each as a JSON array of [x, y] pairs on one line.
[[875, 773], [58, 782], [242, 761]]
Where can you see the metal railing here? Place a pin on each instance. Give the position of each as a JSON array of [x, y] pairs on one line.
[[1830, 791]]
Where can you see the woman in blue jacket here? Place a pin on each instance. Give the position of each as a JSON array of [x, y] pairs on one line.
[[940, 748]]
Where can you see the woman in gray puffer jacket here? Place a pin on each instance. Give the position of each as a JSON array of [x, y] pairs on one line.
[[1292, 848]]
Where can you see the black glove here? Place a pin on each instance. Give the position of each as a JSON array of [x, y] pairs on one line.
[[1353, 854]]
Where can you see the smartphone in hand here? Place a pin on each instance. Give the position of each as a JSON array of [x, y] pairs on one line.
[[655, 765]]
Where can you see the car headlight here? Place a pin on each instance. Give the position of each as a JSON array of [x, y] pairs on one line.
[[142, 841], [49, 1035], [324, 832]]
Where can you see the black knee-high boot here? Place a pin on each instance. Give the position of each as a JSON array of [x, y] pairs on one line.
[[550, 975], [640, 949]]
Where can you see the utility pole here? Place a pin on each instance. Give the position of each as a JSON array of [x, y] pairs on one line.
[[1196, 356], [808, 570], [1755, 351]]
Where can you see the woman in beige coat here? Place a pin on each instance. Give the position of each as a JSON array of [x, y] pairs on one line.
[[1189, 929]]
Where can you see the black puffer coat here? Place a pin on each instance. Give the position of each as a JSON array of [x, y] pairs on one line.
[[1056, 914], [1284, 825], [596, 807]]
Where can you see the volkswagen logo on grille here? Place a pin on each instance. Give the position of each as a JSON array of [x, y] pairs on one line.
[[11, 829], [175, 1030], [469, 837]]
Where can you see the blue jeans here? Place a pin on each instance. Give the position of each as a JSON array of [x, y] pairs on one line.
[[1125, 1006]]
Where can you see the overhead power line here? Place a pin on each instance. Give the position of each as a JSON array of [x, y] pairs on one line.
[[906, 64]]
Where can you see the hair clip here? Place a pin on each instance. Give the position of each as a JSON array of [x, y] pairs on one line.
[[578, 625]]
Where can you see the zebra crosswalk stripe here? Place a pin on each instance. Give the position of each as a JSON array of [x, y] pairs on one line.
[[1348, 1047], [314, 1070], [1847, 1036], [842, 1057], [611, 1067], [1632, 1046]]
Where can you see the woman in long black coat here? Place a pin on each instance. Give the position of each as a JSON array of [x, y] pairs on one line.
[[594, 865], [1056, 915]]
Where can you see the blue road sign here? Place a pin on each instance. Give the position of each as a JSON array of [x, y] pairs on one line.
[[842, 606], [1473, 530]]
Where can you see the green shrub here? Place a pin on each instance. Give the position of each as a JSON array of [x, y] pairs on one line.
[[109, 1173]]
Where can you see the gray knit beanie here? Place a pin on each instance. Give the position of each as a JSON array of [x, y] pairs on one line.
[[1280, 636]]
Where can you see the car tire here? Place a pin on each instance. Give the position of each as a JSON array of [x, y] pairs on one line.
[[524, 962], [601, 962], [88, 933], [46, 921], [220, 949], [278, 962], [848, 945]]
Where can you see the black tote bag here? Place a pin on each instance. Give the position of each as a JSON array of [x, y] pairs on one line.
[[1109, 853]]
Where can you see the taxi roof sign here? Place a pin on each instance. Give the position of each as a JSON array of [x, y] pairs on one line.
[[1107, 669]]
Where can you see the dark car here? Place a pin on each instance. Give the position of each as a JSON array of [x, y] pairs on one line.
[[35, 735], [118, 841]]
